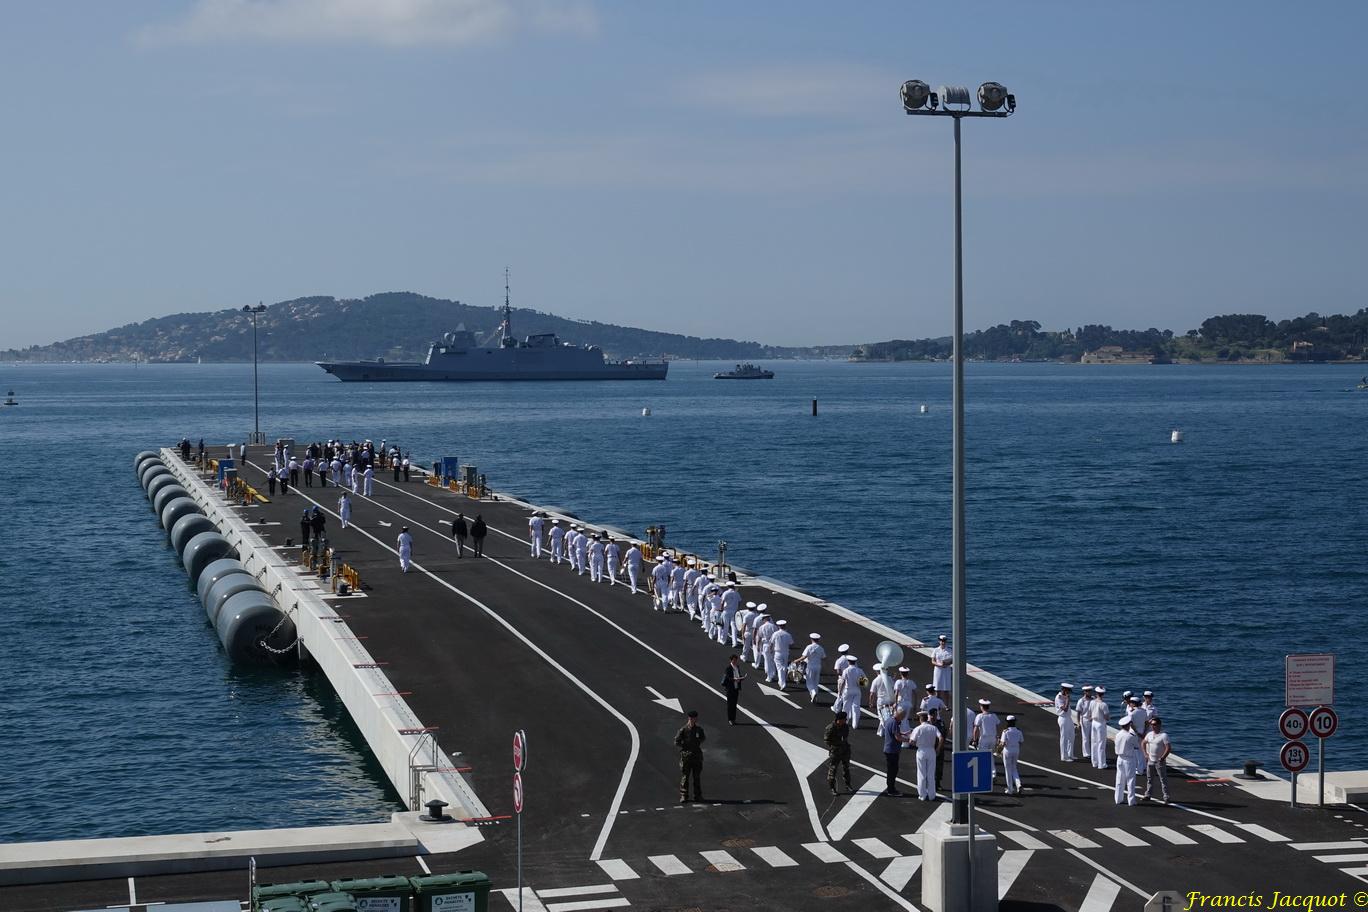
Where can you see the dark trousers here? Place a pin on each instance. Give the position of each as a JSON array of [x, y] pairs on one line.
[[304, 531], [294, 477], [271, 483], [690, 765], [308, 478], [835, 760], [406, 473], [396, 471], [733, 694], [891, 765], [479, 545]]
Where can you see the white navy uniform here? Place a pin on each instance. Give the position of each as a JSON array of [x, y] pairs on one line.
[[1098, 714], [880, 701], [571, 553], [1011, 740], [1083, 712], [1127, 759], [1066, 726], [355, 480], [344, 509], [924, 738], [405, 550], [582, 554], [1140, 716], [781, 641], [596, 561], [763, 639], [812, 661], [633, 562], [660, 577], [731, 601], [929, 704], [691, 591], [370, 481], [612, 554], [534, 532], [848, 693], [986, 732], [677, 586], [557, 543], [941, 677], [904, 695], [743, 622]]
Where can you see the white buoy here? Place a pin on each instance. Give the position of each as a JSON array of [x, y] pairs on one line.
[[924, 410], [1176, 436], [645, 413]]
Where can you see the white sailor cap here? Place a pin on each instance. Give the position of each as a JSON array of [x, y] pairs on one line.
[[904, 669], [1149, 693], [712, 576], [555, 522], [750, 604], [1088, 687], [762, 606], [1100, 689], [942, 637], [1011, 718], [930, 686], [1134, 700], [853, 660], [814, 636], [660, 558], [782, 623], [1126, 693], [985, 702], [688, 560], [1065, 685], [1125, 720], [878, 666], [844, 647], [731, 585]]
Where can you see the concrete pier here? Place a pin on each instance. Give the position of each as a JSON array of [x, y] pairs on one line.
[[440, 665]]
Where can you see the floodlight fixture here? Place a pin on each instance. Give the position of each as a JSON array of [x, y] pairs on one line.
[[955, 97], [992, 96], [915, 94]]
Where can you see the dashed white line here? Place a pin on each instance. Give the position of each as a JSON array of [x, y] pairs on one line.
[[722, 861], [877, 848], [900, 871], [617, 869], [1169, 834], [825, 851], [1325, 846], [1214, 832], [1263, 832], [586, 904], [669, 865], [855, 807], [1077, 840], [1025, 840], [590, 890], [1101, 895], [1116, 834], [775, 857], [1010, 864]]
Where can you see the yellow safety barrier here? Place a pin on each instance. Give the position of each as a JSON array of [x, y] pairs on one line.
[[434, 481]]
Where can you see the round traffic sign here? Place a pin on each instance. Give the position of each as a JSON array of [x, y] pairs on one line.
[[1294, 756], [518, 792], [1324, 722], [1292, 723], [519, 750]]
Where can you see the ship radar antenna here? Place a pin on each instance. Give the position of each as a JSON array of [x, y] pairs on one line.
[[507, 340]]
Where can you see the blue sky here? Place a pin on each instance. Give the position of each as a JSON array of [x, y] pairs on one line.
[[714, 168]]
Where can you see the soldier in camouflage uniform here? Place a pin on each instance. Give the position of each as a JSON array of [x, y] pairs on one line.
[[837, 739], [690, 740]]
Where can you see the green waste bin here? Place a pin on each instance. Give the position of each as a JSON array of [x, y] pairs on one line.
[[299, 888], [335, 901], [388, 893], [464, 891], [284, 904]]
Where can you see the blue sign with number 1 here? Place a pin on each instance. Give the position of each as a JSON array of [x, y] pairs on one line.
[[972, 772]]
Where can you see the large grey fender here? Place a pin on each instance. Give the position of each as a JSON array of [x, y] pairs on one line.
[[165, 494], [203, 550], [247, 618], [175, 509], [187, 527], [225, 588], [151, 471], [143, 457], [156, 484], [213, 572]]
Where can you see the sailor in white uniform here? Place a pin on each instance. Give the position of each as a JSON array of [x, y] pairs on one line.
[[632, 562], [355, 480], [660, 580], [781, 641], [370, 480], [677, 572], [534, 533], [943, 661], [932, 702], [842, 659], [743, 622], [926, 738], [812, 658], [904, 691], [582, 552], [1065, 720], [731, 602], [1011, 740], [1082, 712], [880, 702], [691, 574], [344, 508], [848, 690], [762, 646], [1147, 701], [1139, 717], [557, 541], [1098, 715], [1127, 759], [612, 554], [986, 725], [405, 549], [596, 556]]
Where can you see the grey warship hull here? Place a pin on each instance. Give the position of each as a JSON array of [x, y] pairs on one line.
[[382, 372]]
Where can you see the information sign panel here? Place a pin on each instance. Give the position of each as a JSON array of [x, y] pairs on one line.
[[972, 771], [1309, 679]]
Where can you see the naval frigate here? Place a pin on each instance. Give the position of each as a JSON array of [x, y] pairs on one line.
[[458, 356]]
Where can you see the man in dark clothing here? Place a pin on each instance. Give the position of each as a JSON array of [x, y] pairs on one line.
[[459, 532], [201, 451], [895, 735], [185, 449], [305, 527], [317, 521], [478, 531], [731, 683], [397, 469], [837, 738], [690, 740]]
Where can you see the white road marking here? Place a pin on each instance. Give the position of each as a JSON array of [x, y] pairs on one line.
[[1101, 895], [1356, 872], [825, 851], [1108, 874], [132, 893], [775, 857], [587, 904], [530, 903], [1326, 846], [1077, 840], [1214, 832], [882, 887], [1263, 832], [722, 861], [1010, 864], [855, 807], [589, 890], [1341, 859], [1116, 834], [617, 869], [769, 691], [1170, 835], [667, 702], [422, 864], [669, 865], [900, 871], [877, 848], [1025, 840]]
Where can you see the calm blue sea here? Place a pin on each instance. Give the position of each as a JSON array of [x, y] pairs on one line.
[[1098, 551]]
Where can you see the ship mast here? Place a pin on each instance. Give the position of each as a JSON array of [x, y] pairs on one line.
[[507, 341]]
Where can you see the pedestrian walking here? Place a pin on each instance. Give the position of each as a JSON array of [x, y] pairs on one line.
[[308, 466], [848, 690], [534, 533], [369, 476], [812, 664], [459, 532], [1065, 720], [284, 477], [1009, 742], [926, 738], [478, 531], [271, 481], [837, 738], [896, 735], [405, 549], [557, 535], [1156, 748], [408, 467], [317, 523], [781, 642], [689, 740], [344, 508], [731, 683], [985, 730], [612, 554], [632, 563], [294, 471]]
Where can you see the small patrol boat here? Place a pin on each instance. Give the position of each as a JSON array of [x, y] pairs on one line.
[[745, 371], [11, 400], [1176, 436]]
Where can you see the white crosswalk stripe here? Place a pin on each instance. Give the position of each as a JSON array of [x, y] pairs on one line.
[[585, 905], [669, 865], [1327, 846], [1263, 832], [1215, 832], [774, 857], [617, 869], [722, 861], [1101, 895], [1342, 859], [1010, 864], [1169, 834], [1024, 839], [877, 848], [825, 851], [1116, 834], [900, 871], [1077, 840], [855, 807]]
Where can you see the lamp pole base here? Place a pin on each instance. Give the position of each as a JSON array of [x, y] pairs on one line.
[[945, 870]]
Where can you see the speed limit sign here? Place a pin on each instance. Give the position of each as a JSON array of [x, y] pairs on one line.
[[1294, 756], [1324, 722], [1292, 723]]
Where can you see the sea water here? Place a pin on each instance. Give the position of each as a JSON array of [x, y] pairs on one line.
[[1098, 551]]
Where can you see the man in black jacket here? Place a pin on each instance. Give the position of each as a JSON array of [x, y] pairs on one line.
[[459, 532], [731, 683], [690, 740], [478, 531], [837, 738]]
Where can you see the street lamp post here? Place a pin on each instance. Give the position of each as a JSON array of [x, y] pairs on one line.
[[256, 395], [955, 102]]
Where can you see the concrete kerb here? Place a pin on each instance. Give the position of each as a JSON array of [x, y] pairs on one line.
[[331, 643]]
